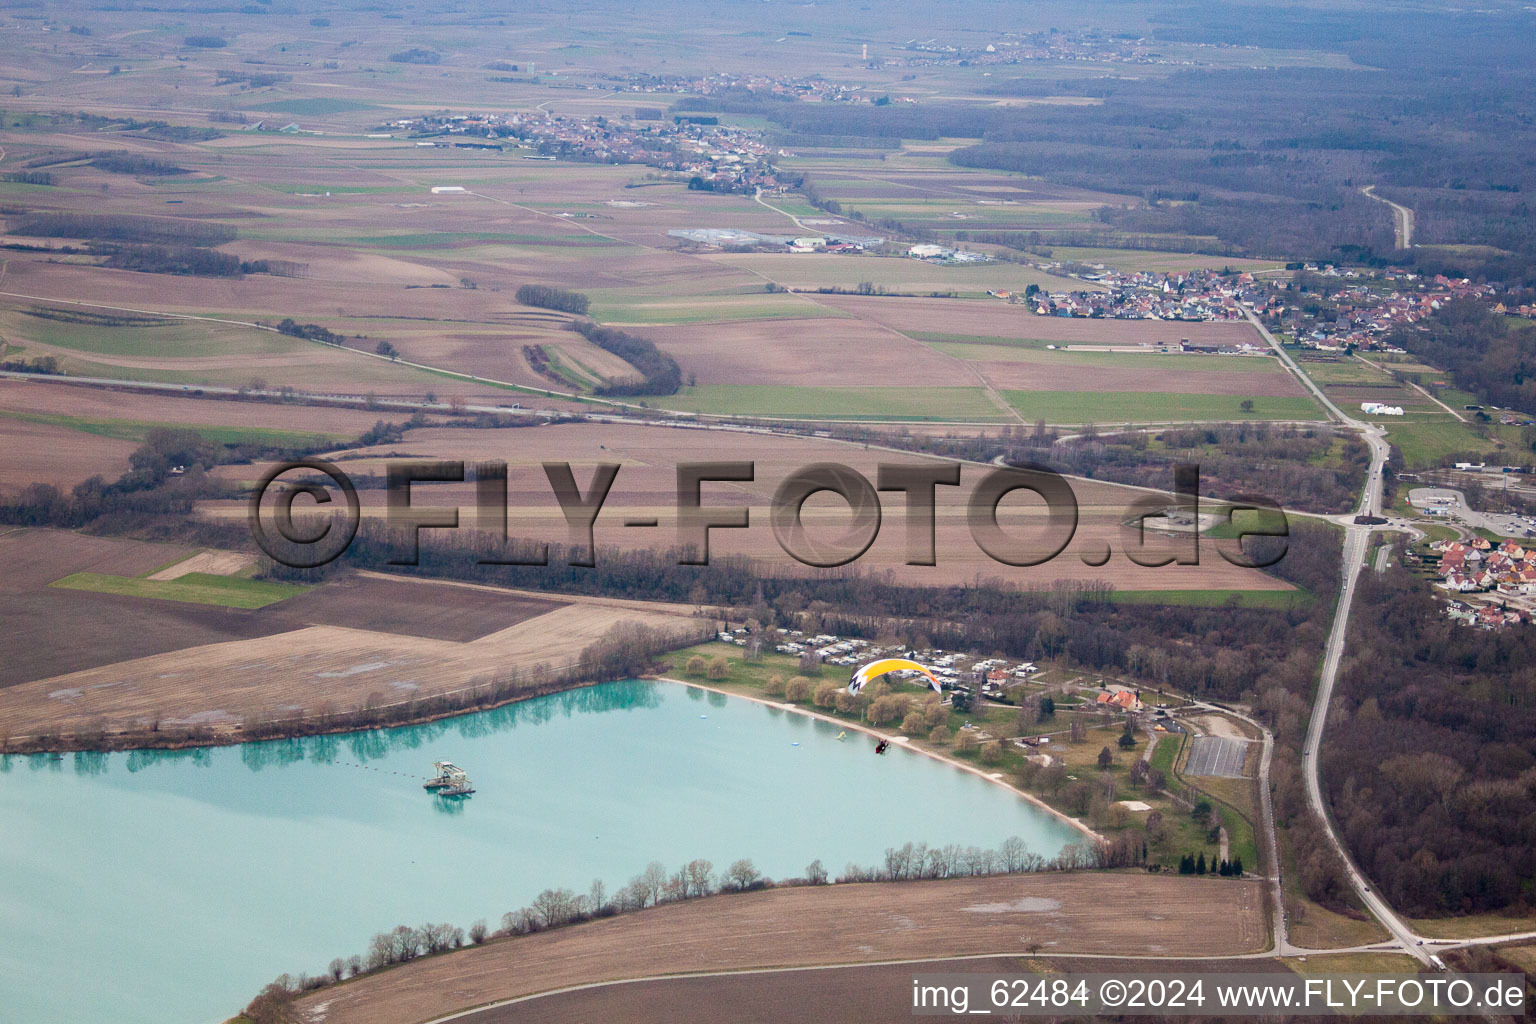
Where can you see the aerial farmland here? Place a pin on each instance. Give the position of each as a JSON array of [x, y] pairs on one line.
[[719, 511]]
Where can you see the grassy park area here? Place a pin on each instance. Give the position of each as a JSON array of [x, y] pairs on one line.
[[193, 588]]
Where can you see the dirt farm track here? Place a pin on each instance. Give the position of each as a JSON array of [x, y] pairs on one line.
[[1111, 914]]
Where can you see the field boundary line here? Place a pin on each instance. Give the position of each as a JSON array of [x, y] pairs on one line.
[[791, 969], [146, 312], [1415, 385], [628, 604]]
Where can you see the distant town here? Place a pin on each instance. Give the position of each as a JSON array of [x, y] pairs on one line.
[[1054, 45], [1143, 295], [712, 156], [1321, 307]]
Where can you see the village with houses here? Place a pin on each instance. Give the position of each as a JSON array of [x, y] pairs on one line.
[[1338, 308], [1142, 295], [1051, 44], [1494, 584], [713, 157], [1332, 310], [1323, 307], [808, 89]]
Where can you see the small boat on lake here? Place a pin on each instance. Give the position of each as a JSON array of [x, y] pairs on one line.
[[450, 780]]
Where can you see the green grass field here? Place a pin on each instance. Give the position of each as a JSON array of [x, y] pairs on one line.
[[193, 588], [652, 309], [572, 372], [869, 403], [1425, 439], [169, 339], [1153, 407], [1011, 353], [1167, 753], [1473, 925], [1352, 963], [138, 430], [313, 107], [1351, 371]]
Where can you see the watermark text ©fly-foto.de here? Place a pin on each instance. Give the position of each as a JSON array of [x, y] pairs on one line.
[[307, 537]]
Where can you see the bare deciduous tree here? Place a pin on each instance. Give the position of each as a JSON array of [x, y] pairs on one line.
[[555, 907], [742, 874], [651, 882], [700, 876]]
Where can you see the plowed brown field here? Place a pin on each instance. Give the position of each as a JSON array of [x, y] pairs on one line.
[[1087, 913], [646, 486]]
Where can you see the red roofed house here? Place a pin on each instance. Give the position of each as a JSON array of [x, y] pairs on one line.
[[1123, 699]]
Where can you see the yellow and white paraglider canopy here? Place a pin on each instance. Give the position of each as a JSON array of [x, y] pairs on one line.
[[875, 669]]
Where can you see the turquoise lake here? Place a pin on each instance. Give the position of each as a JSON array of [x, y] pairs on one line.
[[153, 888]]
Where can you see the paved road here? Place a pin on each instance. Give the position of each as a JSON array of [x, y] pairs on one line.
[[1457, 512], [1402, 218], [1357, 541], [1375, 436]]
